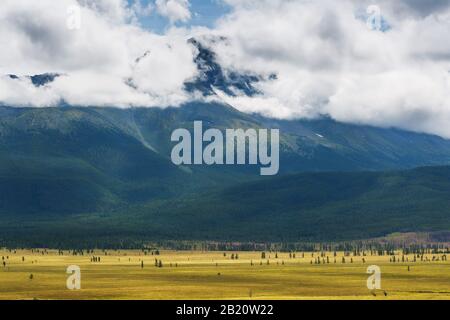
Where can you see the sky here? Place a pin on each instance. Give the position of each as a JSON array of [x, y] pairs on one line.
[[203, 13], [383, 63]]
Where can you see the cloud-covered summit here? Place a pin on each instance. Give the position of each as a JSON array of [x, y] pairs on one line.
[[308, 58]]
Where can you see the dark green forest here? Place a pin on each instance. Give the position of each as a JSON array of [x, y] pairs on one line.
[[88, 177]]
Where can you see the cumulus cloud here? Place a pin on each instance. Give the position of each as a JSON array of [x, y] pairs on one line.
[[174, 10], [98, 59], [328, 62], [420, 7], [325, 58]]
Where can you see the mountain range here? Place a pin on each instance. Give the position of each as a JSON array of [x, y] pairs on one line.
[[104, 175]]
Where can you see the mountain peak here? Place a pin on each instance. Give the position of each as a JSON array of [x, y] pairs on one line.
[[38, 80], [213, 76]]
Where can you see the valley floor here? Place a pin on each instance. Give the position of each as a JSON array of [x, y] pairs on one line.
[[211, 275]]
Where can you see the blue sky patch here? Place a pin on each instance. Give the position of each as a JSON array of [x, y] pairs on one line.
[[204, 13]]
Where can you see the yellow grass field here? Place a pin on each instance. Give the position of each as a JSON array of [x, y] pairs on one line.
[[211, 275]]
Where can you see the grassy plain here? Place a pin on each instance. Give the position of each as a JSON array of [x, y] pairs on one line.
[[211, 275]]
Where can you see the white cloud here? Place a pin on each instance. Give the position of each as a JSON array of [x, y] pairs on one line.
[[174, 10], [98, 59], [326, 59], [21, 92]]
